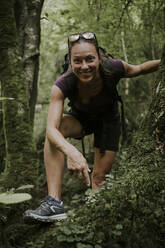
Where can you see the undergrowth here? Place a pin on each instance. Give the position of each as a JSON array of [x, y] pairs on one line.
[[127, 212]]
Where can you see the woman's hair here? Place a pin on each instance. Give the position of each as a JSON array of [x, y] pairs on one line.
[[103, 55], [80, 39]]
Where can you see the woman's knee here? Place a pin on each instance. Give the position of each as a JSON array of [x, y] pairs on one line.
[[70, 127], [49, 148]]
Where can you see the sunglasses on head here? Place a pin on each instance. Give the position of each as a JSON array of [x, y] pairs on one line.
[[87, 36]]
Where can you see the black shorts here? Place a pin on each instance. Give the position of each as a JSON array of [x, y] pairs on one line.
[[105, 127]]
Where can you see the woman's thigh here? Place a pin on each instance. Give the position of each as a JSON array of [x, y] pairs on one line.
[[70, 127]]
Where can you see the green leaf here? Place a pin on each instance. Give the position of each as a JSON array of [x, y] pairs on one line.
[[28, 186], [66, 230], [117, 233], [61, 238], [98, 246], [70, 239], [13, 198], [119, 227], [80, 245]]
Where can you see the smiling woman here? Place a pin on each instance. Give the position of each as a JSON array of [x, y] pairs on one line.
[[85, 62], [89, 84]]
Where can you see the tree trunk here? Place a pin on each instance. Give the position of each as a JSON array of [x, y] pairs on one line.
[[27, 15], [155, 120], [126, 60], [20, 161], [2, 142]]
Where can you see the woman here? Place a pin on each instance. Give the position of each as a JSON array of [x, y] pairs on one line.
[[94, 109]]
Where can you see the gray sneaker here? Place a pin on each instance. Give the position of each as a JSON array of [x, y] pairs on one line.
[[50, 210]]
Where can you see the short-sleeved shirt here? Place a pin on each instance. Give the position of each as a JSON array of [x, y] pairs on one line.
[[100, 115], [102, 100]]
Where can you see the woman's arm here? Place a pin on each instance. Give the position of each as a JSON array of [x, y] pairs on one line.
[[76, 161], [53, 122], [144, 68]]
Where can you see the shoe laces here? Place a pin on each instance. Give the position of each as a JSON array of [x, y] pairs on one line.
[[48, 202]]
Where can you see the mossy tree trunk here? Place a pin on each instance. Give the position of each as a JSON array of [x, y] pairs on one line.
[[21, 160], [27, 16], [155, 120], [2, 142]]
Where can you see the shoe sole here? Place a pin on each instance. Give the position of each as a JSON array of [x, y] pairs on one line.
[[48, 218]]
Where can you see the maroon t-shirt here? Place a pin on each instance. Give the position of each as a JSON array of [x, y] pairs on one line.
[[100, 101]]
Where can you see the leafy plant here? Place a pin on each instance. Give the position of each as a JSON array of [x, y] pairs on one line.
[[13, 198]]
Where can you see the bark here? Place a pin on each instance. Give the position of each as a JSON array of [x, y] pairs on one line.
[[19, 44], [126, 60], [20, 161], [155, 120], [2, 143], [27, 15]]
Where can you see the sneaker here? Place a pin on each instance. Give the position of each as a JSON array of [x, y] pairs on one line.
[[49, 211]]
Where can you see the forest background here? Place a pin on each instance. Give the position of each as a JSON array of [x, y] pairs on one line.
[[129, 210]]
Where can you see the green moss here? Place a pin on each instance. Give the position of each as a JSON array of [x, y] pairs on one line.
[[127, 212], [21, 161]]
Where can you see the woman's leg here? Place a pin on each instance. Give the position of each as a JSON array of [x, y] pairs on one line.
[[54, 159], [102, 166]]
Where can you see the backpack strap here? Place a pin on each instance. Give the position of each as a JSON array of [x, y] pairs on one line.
[[111, 85], [118, 98], [83, 146], [123, 124]]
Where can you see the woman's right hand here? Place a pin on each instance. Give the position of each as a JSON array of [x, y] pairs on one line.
[[78, 164]]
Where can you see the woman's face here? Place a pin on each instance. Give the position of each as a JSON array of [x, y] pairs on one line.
[[85, 61]]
